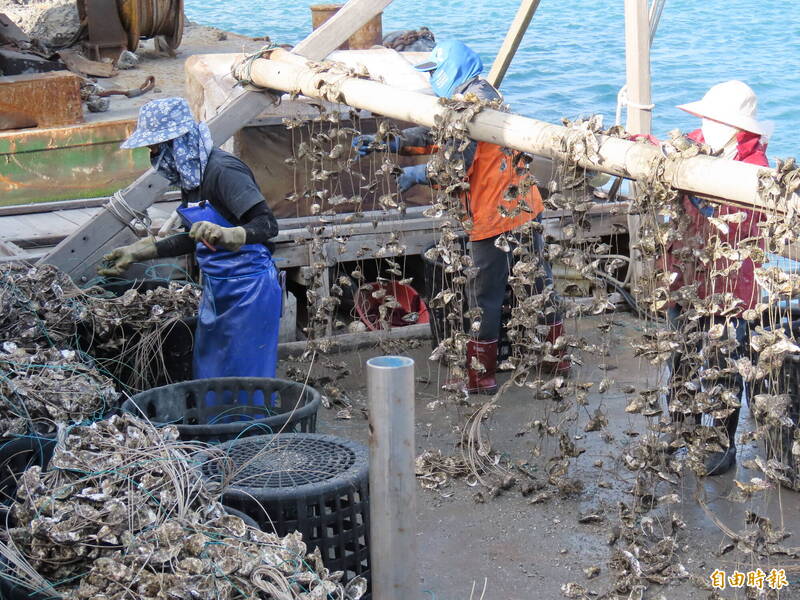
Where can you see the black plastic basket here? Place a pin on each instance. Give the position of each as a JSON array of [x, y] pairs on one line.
[[315, 484], [248, 520], [16, 456], [192, 407], [10, 590], [177, 342]]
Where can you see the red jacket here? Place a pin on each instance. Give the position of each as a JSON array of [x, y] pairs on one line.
[[741, 282]]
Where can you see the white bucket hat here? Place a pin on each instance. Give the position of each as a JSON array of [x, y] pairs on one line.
[[732, 103]]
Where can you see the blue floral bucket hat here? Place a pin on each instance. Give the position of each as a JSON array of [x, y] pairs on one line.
[[160, 121]]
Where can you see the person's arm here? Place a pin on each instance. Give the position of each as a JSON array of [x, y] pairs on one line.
[[259, 224], [416, 140], [175, 245]]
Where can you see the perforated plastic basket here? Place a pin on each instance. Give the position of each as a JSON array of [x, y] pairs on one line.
[[225, 408], [315, 484]]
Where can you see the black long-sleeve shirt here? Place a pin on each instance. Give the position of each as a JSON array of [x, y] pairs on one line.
[[230, 187]]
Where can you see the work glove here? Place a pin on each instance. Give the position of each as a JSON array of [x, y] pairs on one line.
[[706, 209], [364, 144], [230, 238], [411, 176], [120, 259]]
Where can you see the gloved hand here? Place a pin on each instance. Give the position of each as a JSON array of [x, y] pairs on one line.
[[230, 238], [363, 144], [411, 176], [706, 209], [122, 258]]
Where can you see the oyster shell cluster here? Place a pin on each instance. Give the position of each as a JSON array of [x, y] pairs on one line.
[[41, 307], [43, 387], [38, 305], [121, 512]]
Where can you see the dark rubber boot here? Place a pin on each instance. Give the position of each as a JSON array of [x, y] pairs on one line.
[[563, 366], [719, 463], [485, 353]]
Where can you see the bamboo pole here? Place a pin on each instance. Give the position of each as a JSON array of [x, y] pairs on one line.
[[702, 175], [513, 39]]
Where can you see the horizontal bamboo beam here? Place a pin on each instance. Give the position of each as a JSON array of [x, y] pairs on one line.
[[713, 177]]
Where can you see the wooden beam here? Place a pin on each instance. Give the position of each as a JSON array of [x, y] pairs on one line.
[[354, 341], [637, 66], [639, 109], [79, 254], [338, 29], [513, 38]]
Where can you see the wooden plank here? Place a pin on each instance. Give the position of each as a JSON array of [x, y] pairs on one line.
[[513, 38], [79, 254], [50, 99], [360, 229], [78, 63], [7, 249], [29, 209], [354, 341]]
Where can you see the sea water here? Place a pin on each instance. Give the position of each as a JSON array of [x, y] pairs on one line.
[[572, 60]]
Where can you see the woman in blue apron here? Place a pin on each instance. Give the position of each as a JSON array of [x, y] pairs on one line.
[[228, 224]]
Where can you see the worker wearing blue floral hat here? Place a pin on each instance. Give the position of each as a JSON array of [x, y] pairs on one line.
[[228, 225], [455, 70]]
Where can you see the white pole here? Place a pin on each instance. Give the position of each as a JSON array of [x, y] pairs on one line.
[[736, 182], [637, 67], [392, 483]]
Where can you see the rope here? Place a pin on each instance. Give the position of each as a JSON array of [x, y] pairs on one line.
[[137, 221], [622, 100], [242, 71]]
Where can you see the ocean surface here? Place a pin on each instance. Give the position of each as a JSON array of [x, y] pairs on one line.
[[572, 60]]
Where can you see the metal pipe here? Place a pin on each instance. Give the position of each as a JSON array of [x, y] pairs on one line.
[[656, 8], [392, 484]]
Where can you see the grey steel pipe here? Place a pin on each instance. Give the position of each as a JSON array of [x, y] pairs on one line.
[[392, 483]]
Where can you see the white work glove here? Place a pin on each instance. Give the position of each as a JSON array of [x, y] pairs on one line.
[[120, 259], [230, 238]]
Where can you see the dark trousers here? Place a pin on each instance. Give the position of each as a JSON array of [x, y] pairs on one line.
[[684, 369], [494, 266]]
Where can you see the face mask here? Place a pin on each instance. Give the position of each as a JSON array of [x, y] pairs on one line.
[[157, 156], [717, 135]]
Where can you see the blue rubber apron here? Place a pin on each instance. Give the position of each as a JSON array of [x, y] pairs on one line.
[[239, 317]]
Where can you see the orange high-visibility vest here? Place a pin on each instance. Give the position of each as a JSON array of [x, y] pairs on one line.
[[490, 176]]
